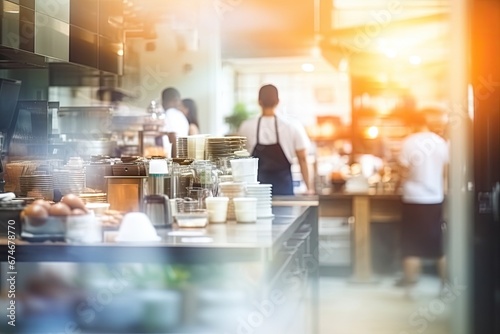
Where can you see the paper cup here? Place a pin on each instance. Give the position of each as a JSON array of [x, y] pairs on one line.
[[217, 209], [245, 209], [245, 216]]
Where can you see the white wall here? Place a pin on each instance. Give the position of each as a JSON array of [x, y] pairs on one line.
[[303, 95], [187, 57]]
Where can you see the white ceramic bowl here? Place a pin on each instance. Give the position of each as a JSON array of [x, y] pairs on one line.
[[136, 227]]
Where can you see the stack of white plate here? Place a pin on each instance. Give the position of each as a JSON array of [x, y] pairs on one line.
[[182, 147], [93, 197], [69, 181], [263, 193], [37, 186], [218, 148], [231, 190]]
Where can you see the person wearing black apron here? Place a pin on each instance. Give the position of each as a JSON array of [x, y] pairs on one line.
[[274, 167]]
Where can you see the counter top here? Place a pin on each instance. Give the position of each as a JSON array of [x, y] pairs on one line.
[[259, 241], [372, 193], [327, 194], [296, 200]]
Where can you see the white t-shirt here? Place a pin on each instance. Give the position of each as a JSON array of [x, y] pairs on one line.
[[292, 134], [176, 121], [425, 154]]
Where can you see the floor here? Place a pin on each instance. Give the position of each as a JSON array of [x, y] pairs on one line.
[[382, 308]]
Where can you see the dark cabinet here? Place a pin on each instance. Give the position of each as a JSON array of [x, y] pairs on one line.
[[83, 47], [109, 58], [82, 32], [84, 14], [27, 29], [96, 34]]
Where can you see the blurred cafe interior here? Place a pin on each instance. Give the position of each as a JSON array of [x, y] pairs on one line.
[[112, 222]]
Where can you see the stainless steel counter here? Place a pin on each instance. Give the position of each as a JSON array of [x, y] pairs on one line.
[[276, 256], [231, 241]]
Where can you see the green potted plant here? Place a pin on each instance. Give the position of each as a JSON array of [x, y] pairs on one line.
[[239, 115]]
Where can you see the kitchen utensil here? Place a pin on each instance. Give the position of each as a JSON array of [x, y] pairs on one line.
[[157, 208]]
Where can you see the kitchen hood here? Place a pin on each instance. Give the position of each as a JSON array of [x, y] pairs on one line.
[[19, 59]]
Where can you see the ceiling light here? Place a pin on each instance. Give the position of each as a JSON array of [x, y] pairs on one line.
[[391, 53], [120, 52], [415, 60], [343, 65], [316, 51], [307, 67], [372, 132]]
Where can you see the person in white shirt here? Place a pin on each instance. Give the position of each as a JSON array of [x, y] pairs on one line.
[[175, 120], [276, 141], [423, 159], [190, 109]]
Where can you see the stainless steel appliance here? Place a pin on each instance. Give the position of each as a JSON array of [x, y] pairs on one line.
[[86, 131], [157, 208], [32, 125]]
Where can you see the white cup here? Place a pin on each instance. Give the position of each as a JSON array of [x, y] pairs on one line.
[[217, 209], [245, 209], [158, 166], [245, 216], [250, 178], [244, 166]]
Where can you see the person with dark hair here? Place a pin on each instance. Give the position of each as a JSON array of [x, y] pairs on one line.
[[175, 120], [190, 109], [423, 160], [276, 141]]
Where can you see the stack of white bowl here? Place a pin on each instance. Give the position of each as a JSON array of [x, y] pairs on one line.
[[231, 190], [263, 193]]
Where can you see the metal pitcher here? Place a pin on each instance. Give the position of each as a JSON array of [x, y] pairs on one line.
[[157, 208]]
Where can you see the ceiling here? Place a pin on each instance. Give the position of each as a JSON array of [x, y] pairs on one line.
[[402, 41], [371, 34], [382, 42], [262, 28]]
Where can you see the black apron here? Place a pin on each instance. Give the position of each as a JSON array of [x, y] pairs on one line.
[[274, 167]]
